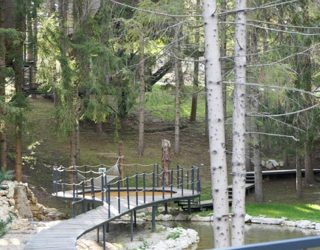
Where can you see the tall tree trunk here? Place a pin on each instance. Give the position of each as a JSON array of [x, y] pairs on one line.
[[298, 176], [77, 131], [73, 149], [254, 103], [3, 139], [30, 51], [223, 53], [19, 81], [193, 114], [141, 97], [177, 94], [35, 49], [239, 110], [309, 176], [218, 164], [51, 6]]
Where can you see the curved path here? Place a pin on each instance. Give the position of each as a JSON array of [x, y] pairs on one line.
[[64, 235]]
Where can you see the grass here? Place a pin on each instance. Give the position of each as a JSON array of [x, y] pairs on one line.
[[291, 211], [160, 103]]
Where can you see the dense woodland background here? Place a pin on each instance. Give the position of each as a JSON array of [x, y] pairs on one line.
[[77, 77]]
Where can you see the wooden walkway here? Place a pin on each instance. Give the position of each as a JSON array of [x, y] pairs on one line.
[[64, 235], [282, 172]]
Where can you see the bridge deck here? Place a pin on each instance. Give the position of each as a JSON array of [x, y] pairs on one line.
[[65, 234], [282, 172]]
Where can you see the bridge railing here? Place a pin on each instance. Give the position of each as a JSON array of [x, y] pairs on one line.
[[292, 244], [135, 190]]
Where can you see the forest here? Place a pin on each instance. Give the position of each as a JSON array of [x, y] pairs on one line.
[[229, 86]]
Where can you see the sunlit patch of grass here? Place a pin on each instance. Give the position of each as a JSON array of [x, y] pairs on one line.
[[292, 211]]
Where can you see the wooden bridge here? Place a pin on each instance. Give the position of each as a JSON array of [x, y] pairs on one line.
[[99, 201]]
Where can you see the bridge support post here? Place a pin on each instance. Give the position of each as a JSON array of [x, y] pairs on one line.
[[154, 211], [131, 224], [165, 208], [135, 218], [104, 236]]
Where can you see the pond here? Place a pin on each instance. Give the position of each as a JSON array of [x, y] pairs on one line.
[[254, 233]]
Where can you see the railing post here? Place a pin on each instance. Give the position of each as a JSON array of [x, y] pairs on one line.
[[128, 193], [102, 187], [192, 178], [187, 179], [73, 192], [63, 189], [157, 175], [54, 180], [182, 181], [178, 176], [119, 197], [83, 198], [171, 183], [153, 183], [198, 180], [109, 199], [137, 195], [93, 195], [163, 184], [85, 172], [144, 187]]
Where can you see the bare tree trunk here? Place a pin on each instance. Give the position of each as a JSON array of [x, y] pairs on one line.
[[239, 110], [165, 159], [99, 128], [51, 6], [18, 163], [254, 106], [141, 97], [298, 176], [218, 164], [223, 53], [121, 159], [309, 175], [73, 149], [177, 94], [3, 139], [29, 51], [77, 131], [35, 49], [193, 114], [19, 81]]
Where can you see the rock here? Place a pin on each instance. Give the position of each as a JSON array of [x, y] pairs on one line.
[[247, 218], [11, 185], [4, 211], [22, 202], [289, 223], [181, 217], [317, 226], [305, 224], [11, 202], [164, 217], [201, 218], [269, 221], [4, 192]]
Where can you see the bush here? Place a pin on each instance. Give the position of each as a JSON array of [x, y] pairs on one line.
[[6, 175]]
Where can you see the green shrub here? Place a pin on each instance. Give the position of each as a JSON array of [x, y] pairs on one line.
[[175, 234], [6, 175]]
